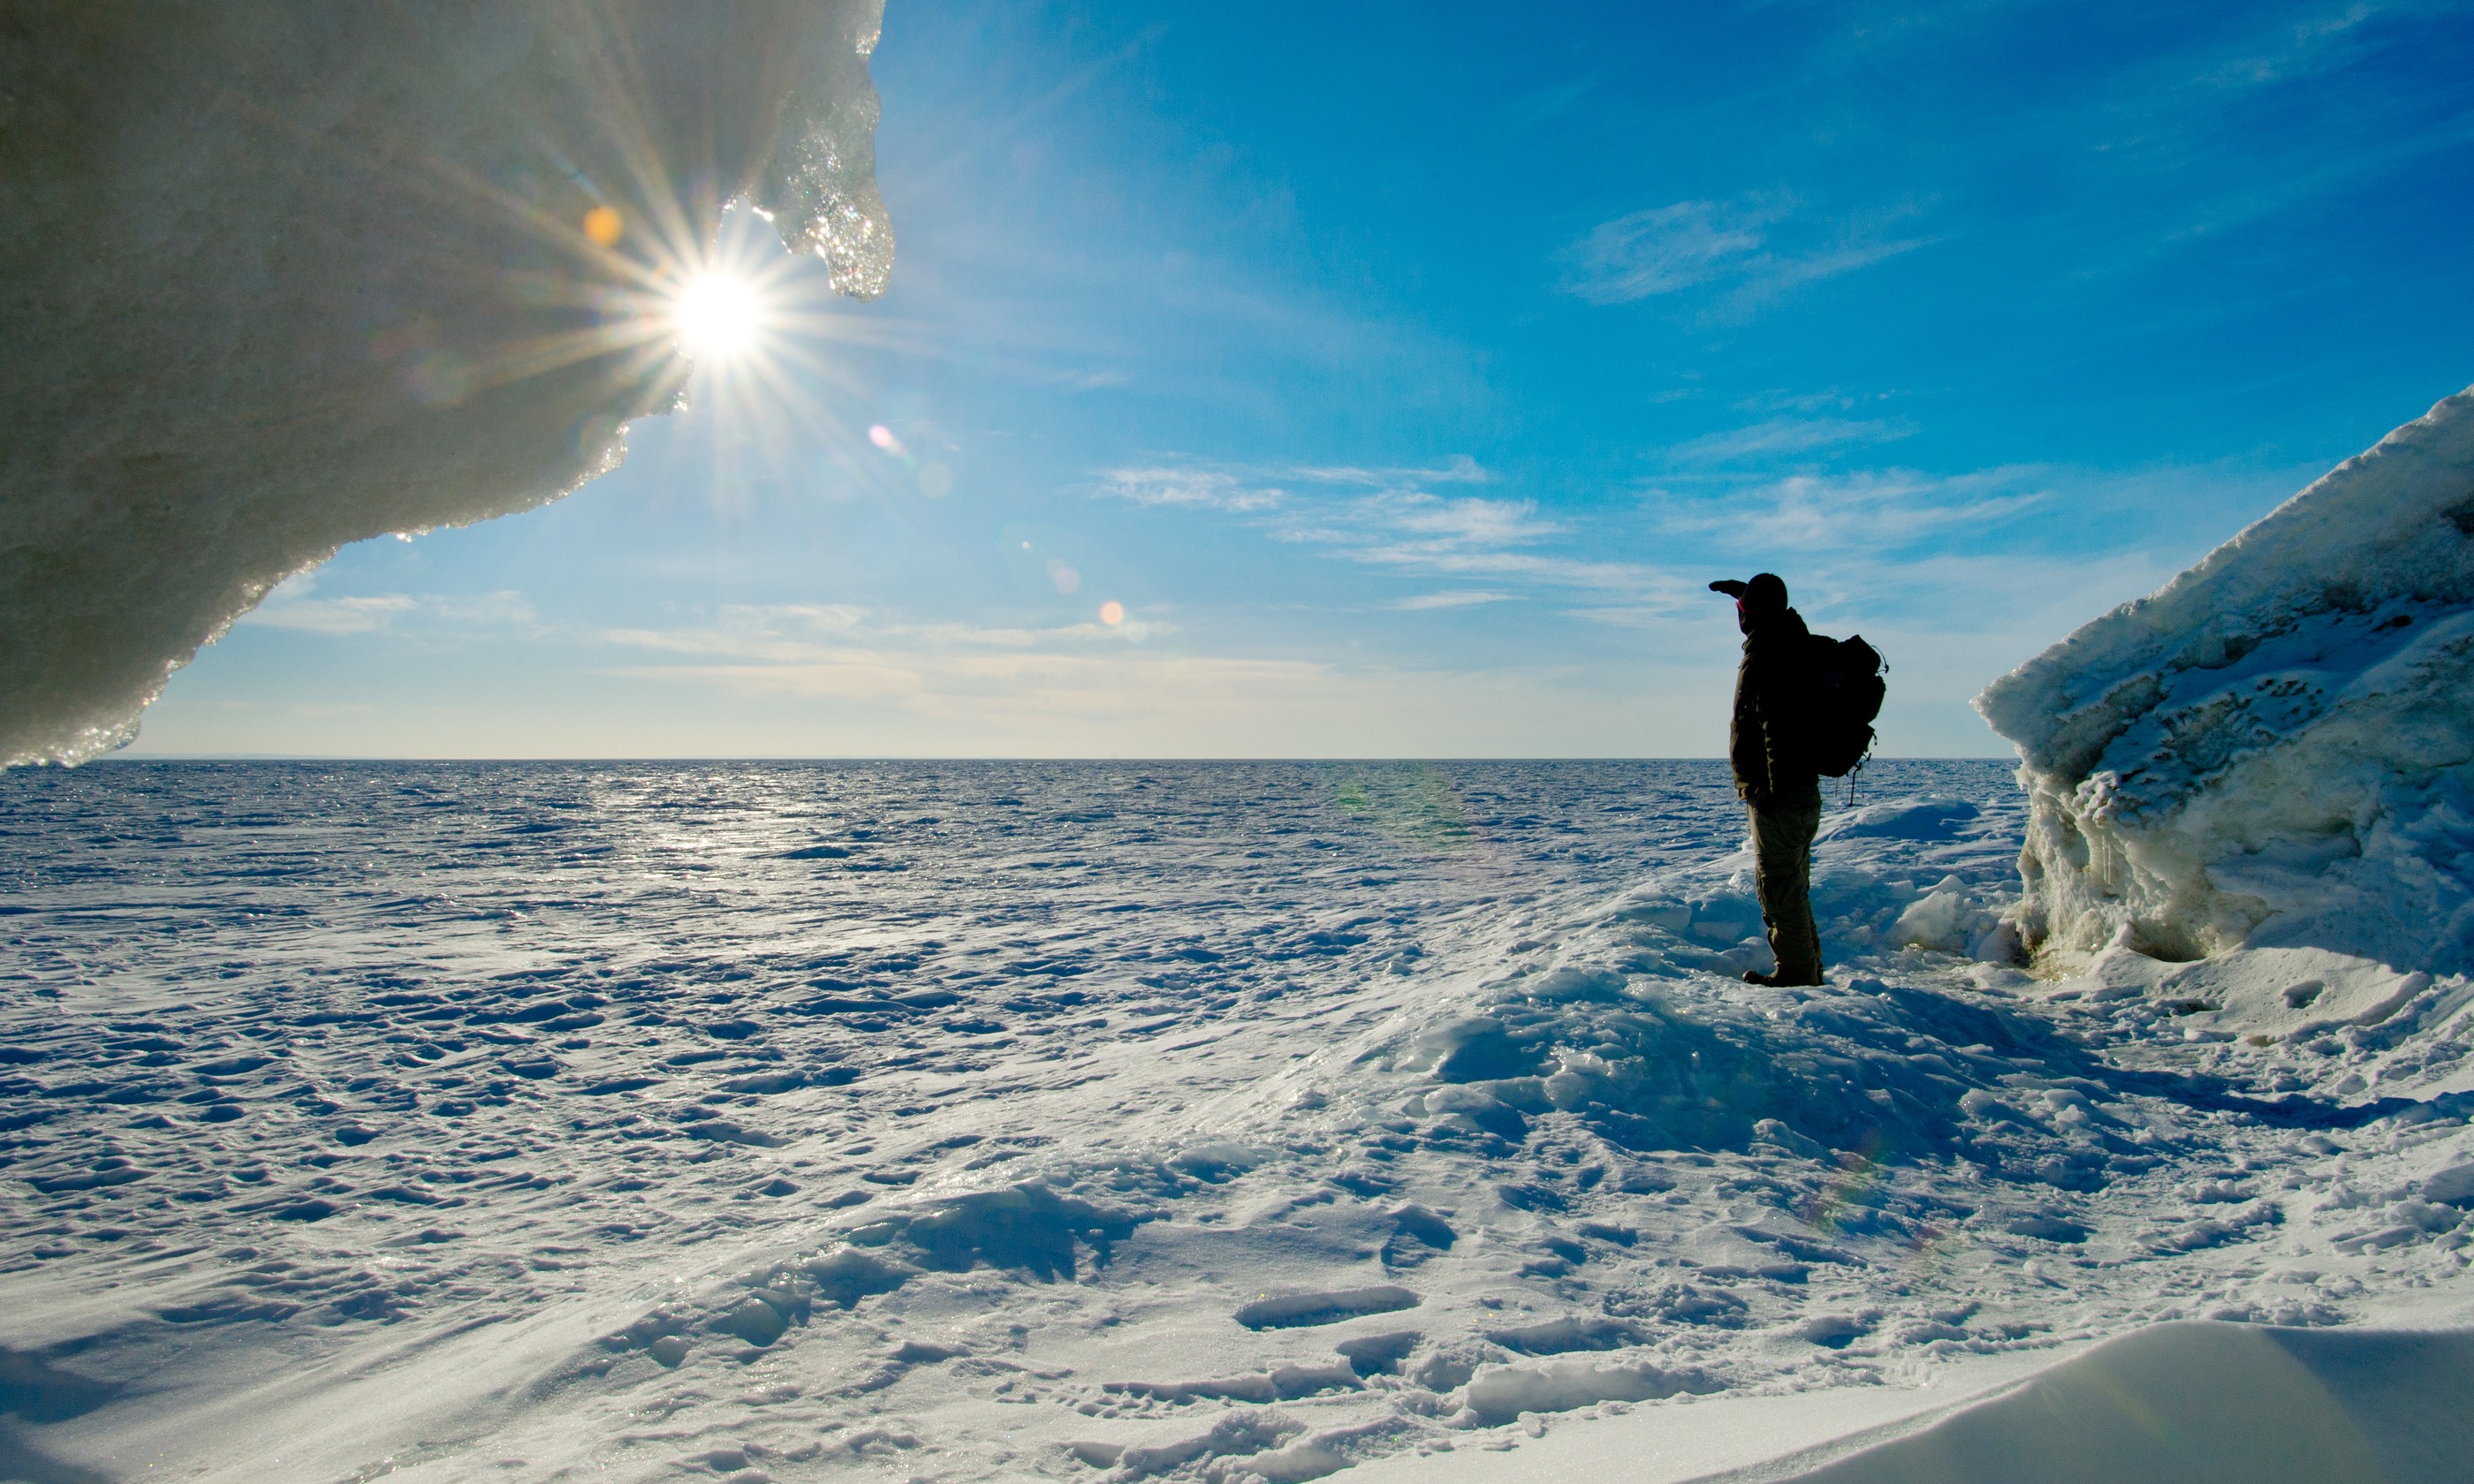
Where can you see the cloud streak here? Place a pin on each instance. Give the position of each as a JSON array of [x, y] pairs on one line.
[[294, 606], [1200, 489], [807, 633], [1876, 511], [1782, 437], [1666, 249], [1426, 602], [1386, 517], [1690, 244]]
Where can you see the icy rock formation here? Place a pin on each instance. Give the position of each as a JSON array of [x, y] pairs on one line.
[[2277, 749], [285, 276]]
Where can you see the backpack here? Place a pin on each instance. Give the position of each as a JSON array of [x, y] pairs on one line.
[[1846, 693]]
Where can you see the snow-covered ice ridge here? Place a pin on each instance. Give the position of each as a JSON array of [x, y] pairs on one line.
[[2276, 749], [1107, 1121], [289, 275]]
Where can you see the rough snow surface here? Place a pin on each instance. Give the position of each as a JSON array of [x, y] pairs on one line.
[[288, 274], [2277, 749], [1108, 1121]]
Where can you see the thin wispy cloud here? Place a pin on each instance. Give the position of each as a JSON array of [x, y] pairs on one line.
[[1426, 602], [1458, 524], [1413, 523], [1537, 569], [1665, 249], [808, 634], [1089, 380], [295, 606], [1246, 488], [2265, 112], [333, 615], [1774, 279], [1690, 244], [1905, 540], [1204, 488], [1778, 437], [836, 650], [1458, 470], [1381, 516], [1870, 511], [2295, 48], [1777, 400], [866, 673]]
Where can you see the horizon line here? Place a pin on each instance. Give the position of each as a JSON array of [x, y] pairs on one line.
[[829, 758]]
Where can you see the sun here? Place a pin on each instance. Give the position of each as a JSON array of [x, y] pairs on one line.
[[716, 315]]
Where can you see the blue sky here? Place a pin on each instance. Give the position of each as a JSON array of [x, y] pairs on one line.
[[1404, 371]]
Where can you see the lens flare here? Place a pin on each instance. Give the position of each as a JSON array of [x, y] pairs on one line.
[[1112, 612], [721, 307], [602, 225], [716, 315]]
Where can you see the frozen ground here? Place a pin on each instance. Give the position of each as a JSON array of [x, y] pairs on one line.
[[1229, 1121]]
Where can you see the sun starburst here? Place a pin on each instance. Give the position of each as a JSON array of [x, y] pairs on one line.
[[718, 315]]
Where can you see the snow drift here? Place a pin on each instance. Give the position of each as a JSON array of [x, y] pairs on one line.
[[2208, 1402], [282, 277], [2275, 750]]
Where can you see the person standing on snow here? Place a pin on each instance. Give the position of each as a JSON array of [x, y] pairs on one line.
[[1768, 745]]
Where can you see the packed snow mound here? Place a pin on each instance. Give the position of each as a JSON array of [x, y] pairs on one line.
[[2277, 749], [1865, 1070], [287, 276], [2184, 1403]]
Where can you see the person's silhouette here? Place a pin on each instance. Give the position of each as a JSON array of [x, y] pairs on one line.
[[1768, 744]]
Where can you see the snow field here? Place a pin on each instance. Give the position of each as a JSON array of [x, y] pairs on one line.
[[1104, 1121]]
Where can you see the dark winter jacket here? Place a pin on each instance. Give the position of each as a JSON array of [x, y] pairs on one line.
[[1773, 687]]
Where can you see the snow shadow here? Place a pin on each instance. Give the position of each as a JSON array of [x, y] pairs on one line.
[[1028, 1226], [2194, 1403], [33, 1391], [1868, 1069]]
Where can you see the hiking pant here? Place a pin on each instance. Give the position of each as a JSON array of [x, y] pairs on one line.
[[1782, 831]]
